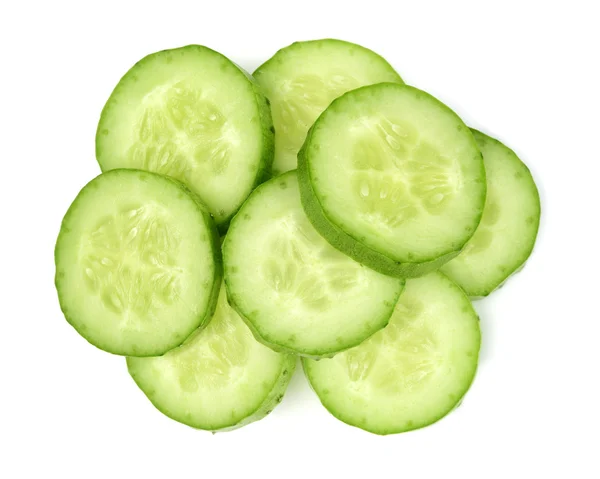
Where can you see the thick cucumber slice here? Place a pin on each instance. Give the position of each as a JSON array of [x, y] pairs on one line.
[[295, 291], [393, 178], [138, 263], [509, 225], [220, 378], [413, 372], [192, 114], [302, 79]]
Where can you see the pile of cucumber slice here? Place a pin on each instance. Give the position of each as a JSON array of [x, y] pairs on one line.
[[319, 208]]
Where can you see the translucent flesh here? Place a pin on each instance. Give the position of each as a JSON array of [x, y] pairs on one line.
[[123, 270], [190, 114], [397, 171], [296, 290], [304, 78], [129, 260], [182, 135], [397, 176], [412, 372], [303, 99], [506, 235], [218, 378]]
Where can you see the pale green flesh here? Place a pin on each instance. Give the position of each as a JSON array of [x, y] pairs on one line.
[[302, 79], [220, 378], [411, 373], [508, 229], [191, 114], [397, 173], [296, 291], [137, 263]]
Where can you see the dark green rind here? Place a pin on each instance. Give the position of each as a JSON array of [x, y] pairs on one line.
[[349, 244], [306, 366], [270, 402], [216, 254], [502, 279], [264, 338], [262, 103]]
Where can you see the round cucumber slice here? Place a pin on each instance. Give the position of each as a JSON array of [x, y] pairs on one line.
[[138, 263], [221, 378], [295, 291], [509, 225], [192, 114], [302, 79], [393, 178], [413, 372]]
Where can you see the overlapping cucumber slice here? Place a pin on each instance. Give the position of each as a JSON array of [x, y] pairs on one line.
[[411, 373], [509, 225], [138, 264], [192, 114], [393, 178], [302, 79], [295, 290], [221, 378]]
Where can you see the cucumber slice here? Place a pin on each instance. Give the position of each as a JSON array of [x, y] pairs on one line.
[[393, 178], [138, 263], [221, 378], [413, 372], [302, 79], [295, 291], [192, 114], [509, 225]]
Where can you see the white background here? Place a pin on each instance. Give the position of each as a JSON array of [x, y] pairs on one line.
[[526, 72]]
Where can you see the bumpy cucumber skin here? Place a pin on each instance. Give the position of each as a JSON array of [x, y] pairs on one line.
[[275, 57], [262, 104], [476, 294], [270, 402], [216, 254], [282, 348], [306, 367], [352, 246]]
